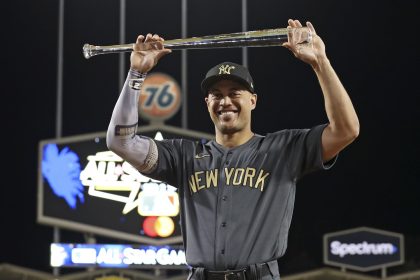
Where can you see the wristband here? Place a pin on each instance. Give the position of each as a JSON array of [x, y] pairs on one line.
[[137, 74], [138, 79]]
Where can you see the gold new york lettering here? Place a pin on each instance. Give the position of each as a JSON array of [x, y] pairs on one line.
[[260, 180], [234, 177], [228, 175], [193, 184], [249, 174], [198, 180], [237, 178], [211, 177]]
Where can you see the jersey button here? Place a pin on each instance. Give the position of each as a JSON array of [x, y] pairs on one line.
[[223, 224], [222, 252], [224, 198]]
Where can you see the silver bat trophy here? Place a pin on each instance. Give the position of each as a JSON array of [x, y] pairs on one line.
[[257, 38]]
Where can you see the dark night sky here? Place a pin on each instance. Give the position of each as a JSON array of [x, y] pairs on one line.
[[373, 46]]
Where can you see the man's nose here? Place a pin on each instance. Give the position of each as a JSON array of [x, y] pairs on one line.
[[225, 100]]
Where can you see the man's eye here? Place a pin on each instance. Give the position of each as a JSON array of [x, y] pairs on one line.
[[217, 96]]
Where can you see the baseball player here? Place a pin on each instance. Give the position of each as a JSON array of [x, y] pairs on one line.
[[237, 191]]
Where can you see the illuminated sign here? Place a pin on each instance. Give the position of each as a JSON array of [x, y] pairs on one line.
[[85, 187], [116, 255], [363, 249], [160, 97], [106, 172]]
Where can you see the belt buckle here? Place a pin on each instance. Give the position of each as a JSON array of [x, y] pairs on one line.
[[231, 276]]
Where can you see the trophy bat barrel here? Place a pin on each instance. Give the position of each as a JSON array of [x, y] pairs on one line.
[[257, 38]]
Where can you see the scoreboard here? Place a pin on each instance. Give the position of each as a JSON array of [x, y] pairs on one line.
[[82, 186]]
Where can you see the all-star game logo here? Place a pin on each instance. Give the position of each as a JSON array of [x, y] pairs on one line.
[[108, 176], [77, 179], [160, 97], [82, 186]]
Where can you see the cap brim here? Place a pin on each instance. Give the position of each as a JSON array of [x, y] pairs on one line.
[[208, 82]]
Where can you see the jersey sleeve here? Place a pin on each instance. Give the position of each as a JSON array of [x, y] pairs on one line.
[[168, 162], [305, 151]]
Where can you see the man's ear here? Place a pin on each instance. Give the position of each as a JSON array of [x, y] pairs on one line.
[[254, 98]]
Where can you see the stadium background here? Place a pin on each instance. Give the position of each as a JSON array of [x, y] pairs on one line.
[[373, 46]]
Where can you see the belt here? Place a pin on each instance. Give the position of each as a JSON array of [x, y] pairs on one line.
[[251, 272], [225, 275]]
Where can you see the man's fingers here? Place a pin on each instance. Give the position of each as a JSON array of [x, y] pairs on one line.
[[294, 23], [163, 52], [290, 47], [294, 36], [297, 23], [148, 37], [311, 27], [287, 46], [290, 33], [155, 42], [140, 39], [291, 23], [136, 46]]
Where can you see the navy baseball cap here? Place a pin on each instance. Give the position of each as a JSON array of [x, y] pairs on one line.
[[229, 71]]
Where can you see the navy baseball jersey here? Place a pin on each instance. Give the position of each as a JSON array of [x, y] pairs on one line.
[[237, 203]]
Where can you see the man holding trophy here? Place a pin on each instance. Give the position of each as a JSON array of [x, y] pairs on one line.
[[237, 191]]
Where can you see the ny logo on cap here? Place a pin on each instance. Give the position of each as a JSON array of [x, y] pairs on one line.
[[225, 69]]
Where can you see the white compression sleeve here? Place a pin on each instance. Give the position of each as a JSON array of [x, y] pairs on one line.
[[121, 138]]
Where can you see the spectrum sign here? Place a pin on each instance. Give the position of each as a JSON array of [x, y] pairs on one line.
[[116, 255], [363, 249], [84, 187]]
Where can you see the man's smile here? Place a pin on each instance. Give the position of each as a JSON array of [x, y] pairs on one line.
[[227, 112]]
